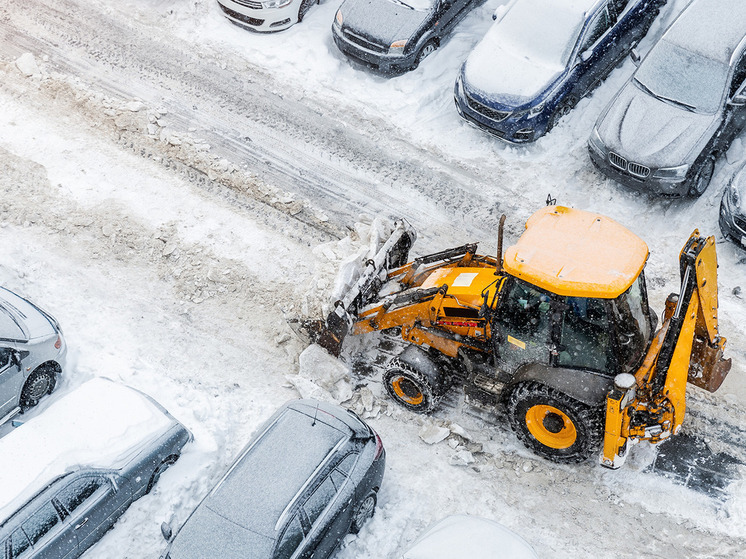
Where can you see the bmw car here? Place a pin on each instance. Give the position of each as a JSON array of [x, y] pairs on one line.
[[394, 36], [541, 57], [683, 106], [733, 209], [310, 476]]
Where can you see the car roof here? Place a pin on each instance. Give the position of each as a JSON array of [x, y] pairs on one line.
[[713, 28], [101, 424], [576, 253], [274, 467]]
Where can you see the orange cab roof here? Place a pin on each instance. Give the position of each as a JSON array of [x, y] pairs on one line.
[[576, 253]]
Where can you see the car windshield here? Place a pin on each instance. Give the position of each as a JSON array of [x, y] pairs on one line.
[[541, 31], [419, 5], [679, 76]]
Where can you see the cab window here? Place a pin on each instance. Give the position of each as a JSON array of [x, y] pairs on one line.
[[585, 338], [40, 523], [75, 494], [633, 327], [18, 543], [4, 357], [290, 539], [319, 499], [524, 320]]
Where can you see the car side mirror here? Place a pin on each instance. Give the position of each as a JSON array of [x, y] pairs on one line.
[[738, 100], [635, 56], [586, 54], [167, 531]]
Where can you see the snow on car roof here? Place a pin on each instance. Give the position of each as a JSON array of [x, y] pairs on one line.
[[101, 424], [576, 253], [713, 28]]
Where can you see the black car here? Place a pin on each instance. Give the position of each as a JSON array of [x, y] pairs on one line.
[[733, 209], [309, 477], [395, 35], [683, 106]]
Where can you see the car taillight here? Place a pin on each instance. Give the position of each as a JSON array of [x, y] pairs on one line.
[[58, 343], [379, 445]]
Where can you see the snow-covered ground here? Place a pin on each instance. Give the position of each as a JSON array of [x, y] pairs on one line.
[[172, 264]]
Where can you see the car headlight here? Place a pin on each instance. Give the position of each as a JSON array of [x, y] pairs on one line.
[[537, 110], [596, 143], [398, 46], [275, 3], [672, 173], [338, 18], [735, 197]]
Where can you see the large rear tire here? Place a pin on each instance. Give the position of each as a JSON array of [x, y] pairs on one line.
[[554, 425], [410, 388]]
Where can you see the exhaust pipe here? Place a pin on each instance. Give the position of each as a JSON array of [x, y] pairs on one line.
[[499, 267]]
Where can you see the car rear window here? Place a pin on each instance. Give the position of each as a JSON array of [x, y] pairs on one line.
[[262, 484]]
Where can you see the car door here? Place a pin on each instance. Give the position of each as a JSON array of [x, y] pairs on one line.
[[92, 504], [11, 379], [325, 523], [43, 534], [452, 12], [596, 52], [734, 116]]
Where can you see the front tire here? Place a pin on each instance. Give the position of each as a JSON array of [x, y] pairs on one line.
[[410, 388], [39, 383], [701, 179], [554, 425], [364, 512], [304, 7], [563, 109], [159, 470], [425, 51]]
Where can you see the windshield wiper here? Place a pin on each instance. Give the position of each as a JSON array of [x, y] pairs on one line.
[[686, 106]]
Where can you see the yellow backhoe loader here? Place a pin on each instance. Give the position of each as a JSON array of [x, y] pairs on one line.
[[559, 331]]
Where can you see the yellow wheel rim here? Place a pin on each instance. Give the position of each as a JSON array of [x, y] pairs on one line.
[[551, 426], [407, 391]]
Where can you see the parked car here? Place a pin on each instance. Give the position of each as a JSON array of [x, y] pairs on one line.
[[69, 473], [266, 15], [469, 537], [395, 35], [307, 478], [32, 354], [733, 208], [538, 59], [683, 106]]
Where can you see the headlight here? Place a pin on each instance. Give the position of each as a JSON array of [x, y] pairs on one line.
[[596, 143], [398, 46], [338, 18], [275, 3], [735, 197], [672, 173], [537, 110]]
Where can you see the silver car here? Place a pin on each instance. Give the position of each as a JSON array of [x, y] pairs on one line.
[[683, 106], [71, 472], [32, 354], [733, 208]]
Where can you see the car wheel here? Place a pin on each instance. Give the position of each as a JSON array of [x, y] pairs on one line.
[[563, 109], [39, 383], [159, 470], [425, 51], [410, 388], [304, 7], [363, 512], [554, 425], [702, 177]]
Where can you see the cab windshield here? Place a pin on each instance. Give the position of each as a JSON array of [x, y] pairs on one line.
[[633, 327]]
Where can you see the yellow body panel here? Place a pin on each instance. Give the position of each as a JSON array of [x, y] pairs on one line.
[[576, 253], [464, 284]]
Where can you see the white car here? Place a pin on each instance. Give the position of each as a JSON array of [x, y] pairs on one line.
[[266, 15], [469, 537]]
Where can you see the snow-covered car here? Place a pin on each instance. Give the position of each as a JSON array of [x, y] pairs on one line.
[[309, 477], [733, 208], [682, 107], [32, 354], [71, 472], [469, 537], [395, 35], [266, 15], [541, 57]]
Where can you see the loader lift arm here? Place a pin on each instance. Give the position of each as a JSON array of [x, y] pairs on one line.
[[651, 405]]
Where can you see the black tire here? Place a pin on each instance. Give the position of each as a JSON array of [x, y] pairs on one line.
[[410, 388], [554, 425], [363, 512], [159, 470], [304, 7], [702, 177], [426, 50], [563, 108], [39, 383]]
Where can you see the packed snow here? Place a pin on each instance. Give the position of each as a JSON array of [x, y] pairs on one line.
[[172, 267]]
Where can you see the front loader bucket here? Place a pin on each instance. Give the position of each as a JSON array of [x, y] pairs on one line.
[[707, 368], [329, 334]]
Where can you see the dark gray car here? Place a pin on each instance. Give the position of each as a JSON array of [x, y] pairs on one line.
[[32, 354], [71, 472], [395, 35], [682, 108], [733, 208], [306, 479]]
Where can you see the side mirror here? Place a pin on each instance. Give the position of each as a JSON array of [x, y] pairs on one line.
[[585, 55], [635, 56], [738, 99], [167, 532]]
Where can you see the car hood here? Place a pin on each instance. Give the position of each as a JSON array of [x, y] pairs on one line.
[[381, 21], [650, 131], [496, 73], [207, 534], [20, 320]]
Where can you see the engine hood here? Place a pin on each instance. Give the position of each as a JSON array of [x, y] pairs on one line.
[[20, 320], [498, 74], [382, 21], [650, 131]]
